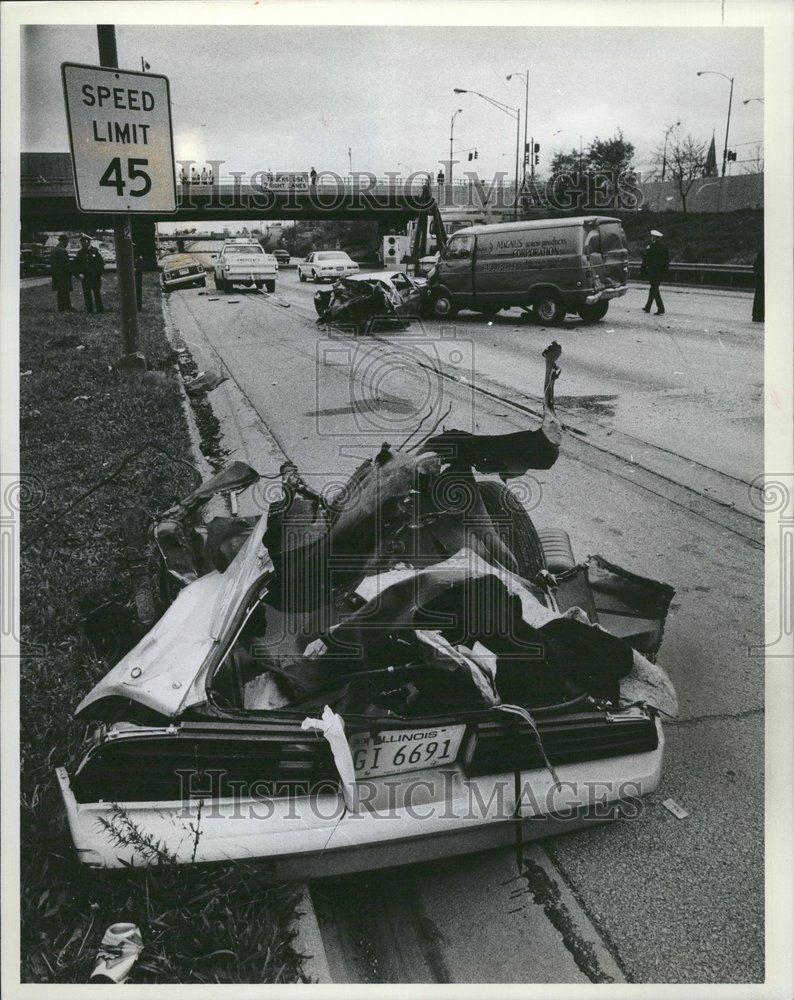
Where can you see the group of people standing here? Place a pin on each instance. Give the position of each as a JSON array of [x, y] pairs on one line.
[[205, 177], [87, 264]]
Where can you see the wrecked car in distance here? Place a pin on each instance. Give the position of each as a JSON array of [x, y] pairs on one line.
[[365, 301], [406, 669]]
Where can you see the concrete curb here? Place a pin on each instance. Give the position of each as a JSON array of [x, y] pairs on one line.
[[245, 437], [308, 942]]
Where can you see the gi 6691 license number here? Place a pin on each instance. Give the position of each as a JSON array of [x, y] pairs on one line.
[[398, 750]]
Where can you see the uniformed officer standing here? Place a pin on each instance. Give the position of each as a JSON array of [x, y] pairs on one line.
[[655, 264], [89, 264], [61, 268]]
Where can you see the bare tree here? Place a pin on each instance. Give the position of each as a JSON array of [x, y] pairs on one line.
[[685, 162], [754, 164]]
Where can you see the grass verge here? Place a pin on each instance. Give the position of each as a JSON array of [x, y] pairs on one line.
[[79, 418]]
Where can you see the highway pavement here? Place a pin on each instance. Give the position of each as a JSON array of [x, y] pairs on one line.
[[664, 439]]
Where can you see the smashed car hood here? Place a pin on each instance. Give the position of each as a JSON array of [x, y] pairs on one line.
[[166, 671]]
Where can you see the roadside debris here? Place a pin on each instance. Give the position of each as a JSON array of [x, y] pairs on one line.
[[678, 811], [204, 382], [118, 952], [68, 340]]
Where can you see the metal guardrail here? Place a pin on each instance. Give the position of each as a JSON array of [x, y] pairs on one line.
[[713, 275]]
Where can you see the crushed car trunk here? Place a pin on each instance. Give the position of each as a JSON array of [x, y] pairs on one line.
[[419, 616]]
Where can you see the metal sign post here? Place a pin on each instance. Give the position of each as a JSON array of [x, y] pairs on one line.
[[123, 158]]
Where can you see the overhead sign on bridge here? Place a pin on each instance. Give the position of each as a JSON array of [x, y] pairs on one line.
[[283, 181], [121, 139]]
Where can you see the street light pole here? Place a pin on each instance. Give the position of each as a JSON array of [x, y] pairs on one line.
[[525, 76], [727, 129], [730, 79], [508, 111], [451, 137]]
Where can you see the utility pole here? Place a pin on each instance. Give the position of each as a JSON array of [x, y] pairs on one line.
[[526, 119], [132, 356], [451, 138], [518, 143], [727, 129]]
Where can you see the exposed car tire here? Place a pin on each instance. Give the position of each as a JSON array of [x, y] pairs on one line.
[[259, 285], [314, 276], [548, 309], [443, 307], [514, 527], [595, 312], [270, 286], [301, 276]]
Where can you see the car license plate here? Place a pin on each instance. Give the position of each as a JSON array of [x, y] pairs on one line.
[[397, 750], [184, 270]]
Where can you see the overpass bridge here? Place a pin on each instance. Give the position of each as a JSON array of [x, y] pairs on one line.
[[48, 202]]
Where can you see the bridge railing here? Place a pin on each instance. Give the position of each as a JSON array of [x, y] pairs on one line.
[[458, 194]]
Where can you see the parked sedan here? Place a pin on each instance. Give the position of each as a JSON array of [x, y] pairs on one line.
[[326, 265], [181, 271]]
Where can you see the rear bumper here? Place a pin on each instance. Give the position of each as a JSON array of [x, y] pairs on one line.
[[182, 280], [249, 276], [605, 294], [403, 818]]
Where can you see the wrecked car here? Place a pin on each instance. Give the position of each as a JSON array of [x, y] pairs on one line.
[[403, 670], [363, 301]]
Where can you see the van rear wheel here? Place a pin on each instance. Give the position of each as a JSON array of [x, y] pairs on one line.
[[443, 307], [548, 309], [595, 312]]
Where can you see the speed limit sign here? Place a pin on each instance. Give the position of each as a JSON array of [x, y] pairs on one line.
[[120, 135]]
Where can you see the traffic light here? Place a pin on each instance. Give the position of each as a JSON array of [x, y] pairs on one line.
[[471, 157], [536, 150], [731, 155], [476, 154]]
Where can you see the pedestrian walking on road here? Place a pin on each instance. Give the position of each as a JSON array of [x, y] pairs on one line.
[[61, 268], [655, 264], [89, 265], [758, 298]]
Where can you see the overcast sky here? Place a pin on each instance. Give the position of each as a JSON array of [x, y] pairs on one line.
[[288, 98]]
